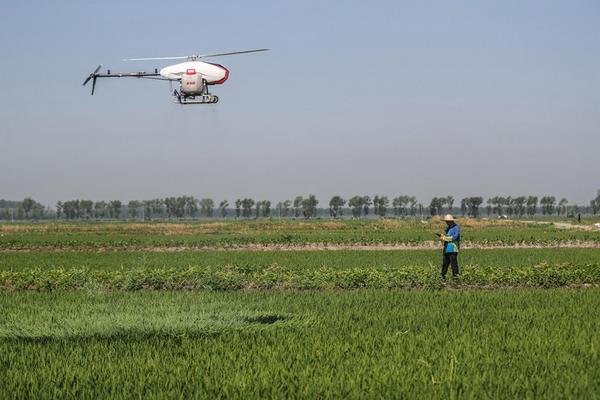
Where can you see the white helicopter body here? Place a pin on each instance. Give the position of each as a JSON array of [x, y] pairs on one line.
[[214, 74]]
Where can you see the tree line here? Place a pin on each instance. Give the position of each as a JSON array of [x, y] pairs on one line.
[[358, 206]]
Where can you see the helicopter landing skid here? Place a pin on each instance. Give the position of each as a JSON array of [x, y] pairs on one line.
[[203, 99]]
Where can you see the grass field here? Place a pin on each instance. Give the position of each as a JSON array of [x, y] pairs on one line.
[[161, 310]]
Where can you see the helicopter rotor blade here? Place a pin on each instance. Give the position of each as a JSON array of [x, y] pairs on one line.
[[195, 56], [230, 53], [156, 58]]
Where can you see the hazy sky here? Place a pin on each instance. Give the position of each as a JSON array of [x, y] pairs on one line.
[[394, 97]]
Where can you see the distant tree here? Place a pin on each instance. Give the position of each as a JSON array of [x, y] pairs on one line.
[[492, 202], [86, 208], [384, 204], [114, 207], [171, 207], [473, 204], [309, 206], [181, 202], [30, 209], [532, 202], [501, 203], [298, 206], [59, 210], [75, 211], [497, 203], [238, 208], [412, 204], [100, 209], [132, 208], [464, 206], [509, 206], [207, 207], [39, 211], [449, 203], [335, 206], [147, 209], [366, 202], [488, 208], [562, 206], [356, 205], [27, 205], [285, 209], [247, 205], [191, 206], [380, 205], [258, 207], [548, 203], [263, 208], [158, 207], [71, 209], [436, 205], [266, 208], [400, 205], [397, 206], [223, 207], [519, 205]]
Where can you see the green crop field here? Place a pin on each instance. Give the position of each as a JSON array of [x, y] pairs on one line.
[[302, 269], [122, 235], [357, 344], [295, 309]]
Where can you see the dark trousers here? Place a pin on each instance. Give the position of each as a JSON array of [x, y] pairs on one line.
[[450, 259]]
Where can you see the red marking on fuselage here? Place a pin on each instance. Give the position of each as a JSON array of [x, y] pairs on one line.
[[222, 80], [190, 71]]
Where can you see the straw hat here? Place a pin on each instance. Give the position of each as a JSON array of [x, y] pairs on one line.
[[448, 218]]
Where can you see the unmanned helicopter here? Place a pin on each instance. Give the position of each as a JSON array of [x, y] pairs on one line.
[[194, 76]]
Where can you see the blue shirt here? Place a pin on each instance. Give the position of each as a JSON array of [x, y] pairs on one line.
[[454, 245]]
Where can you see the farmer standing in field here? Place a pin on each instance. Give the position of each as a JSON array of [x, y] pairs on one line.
[[451, 240]]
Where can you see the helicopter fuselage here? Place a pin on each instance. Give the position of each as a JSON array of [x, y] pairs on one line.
[[213, 74]]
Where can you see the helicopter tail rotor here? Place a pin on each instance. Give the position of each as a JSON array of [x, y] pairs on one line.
[[93, 76]]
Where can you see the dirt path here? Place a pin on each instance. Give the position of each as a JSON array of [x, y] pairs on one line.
[[431, 245], [565, 225]]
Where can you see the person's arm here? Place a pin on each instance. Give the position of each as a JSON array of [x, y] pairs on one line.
[[452, 235]]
